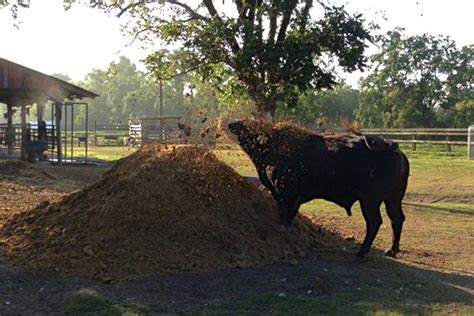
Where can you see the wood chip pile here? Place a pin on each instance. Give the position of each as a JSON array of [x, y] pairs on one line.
[[160, 210]]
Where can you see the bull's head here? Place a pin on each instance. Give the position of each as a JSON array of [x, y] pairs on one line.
[[244, 134], [251, 134]]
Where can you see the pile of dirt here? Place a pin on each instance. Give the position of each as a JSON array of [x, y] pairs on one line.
[[159, 210]]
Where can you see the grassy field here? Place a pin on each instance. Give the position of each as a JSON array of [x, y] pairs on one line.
[[434, 271]]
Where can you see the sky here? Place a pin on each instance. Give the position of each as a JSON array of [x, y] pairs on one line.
[[74, 42]]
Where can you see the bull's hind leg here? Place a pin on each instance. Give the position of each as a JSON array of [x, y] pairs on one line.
[[395, 213], [373, 220]]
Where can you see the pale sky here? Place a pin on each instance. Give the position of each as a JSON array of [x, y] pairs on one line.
[[74, 42]]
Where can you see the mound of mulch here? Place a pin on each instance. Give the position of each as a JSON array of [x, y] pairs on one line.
[[160, 210]]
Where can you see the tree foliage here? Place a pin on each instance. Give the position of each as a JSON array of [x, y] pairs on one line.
[[126, 92], [274, 49], [417, 81], [324, 108]]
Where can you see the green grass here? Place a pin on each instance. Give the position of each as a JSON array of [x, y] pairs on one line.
[[441, 176], [106, 153], [366, 300], [425, 150]]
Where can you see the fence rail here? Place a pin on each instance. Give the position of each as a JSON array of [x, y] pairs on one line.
[[109, 134], [434, 136]]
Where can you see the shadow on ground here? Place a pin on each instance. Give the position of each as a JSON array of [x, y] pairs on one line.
[[329, 280], [434, 208]]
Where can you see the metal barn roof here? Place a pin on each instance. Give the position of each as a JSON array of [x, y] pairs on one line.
[[20, 85]]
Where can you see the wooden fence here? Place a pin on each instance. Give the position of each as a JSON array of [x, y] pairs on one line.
[[113, 135], [434, 136], [105, 135]]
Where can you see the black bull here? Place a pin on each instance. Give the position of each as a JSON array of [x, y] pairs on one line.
[[298, 165]]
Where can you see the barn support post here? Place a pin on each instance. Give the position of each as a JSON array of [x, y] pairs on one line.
[[65, 131], [10, 135], [161, 112], [57, 107], [95, 133], [72, 132], [87, 129], [53, 131], [24, 138], [39, 111]]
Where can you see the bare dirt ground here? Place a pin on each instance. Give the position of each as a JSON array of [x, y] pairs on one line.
[[329, 280]]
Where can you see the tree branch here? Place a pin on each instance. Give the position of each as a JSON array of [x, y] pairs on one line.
[[213, 12], [128, 7], [240, 8], [188, 9], [210, 7], [185, 71], [251, 14], [273, 24], [305, 14], [290, 7]]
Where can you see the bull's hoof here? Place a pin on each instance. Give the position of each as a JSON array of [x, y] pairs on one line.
[[390, 253]]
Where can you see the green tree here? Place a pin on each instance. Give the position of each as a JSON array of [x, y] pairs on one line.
[[274, 49], [124, 92], [464, 113], [220, 96], [416, 82], [323, 108]]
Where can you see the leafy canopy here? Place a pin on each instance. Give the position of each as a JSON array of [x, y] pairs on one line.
[[417, 81], [274, 49]]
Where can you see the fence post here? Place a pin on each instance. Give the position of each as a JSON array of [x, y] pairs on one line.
[[448, 145], [413, 138], [95, 133]]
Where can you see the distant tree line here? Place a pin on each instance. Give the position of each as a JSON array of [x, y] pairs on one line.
[[416, 81]]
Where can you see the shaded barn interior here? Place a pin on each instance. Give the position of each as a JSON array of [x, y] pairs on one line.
[[22, 87]]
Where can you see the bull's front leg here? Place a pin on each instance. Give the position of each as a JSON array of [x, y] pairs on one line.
[[284, 190], [283, 213], [262, 174], [373, 220], [289, 201]]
